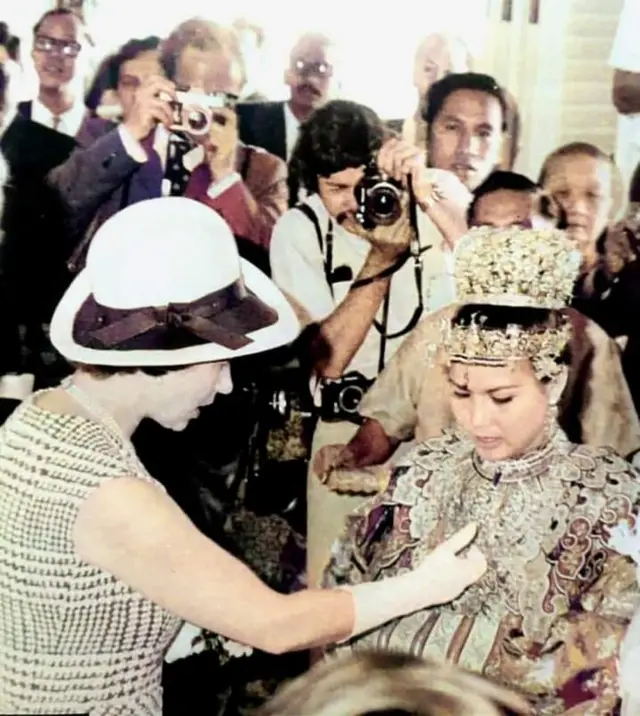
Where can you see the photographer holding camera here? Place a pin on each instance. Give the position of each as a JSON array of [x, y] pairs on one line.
[[178, 136], [364, 257]]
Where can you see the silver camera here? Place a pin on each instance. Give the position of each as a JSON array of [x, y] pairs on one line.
[[194, 112]]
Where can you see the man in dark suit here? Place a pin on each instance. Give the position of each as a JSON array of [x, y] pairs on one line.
[[274, 125]]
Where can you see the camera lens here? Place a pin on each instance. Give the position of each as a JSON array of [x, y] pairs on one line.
[[384, 204], [350, 398], [197, 121]]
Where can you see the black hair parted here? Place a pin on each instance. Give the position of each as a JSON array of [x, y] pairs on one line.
[[339, 135], [499, 317], [500, 180], [473, 81]]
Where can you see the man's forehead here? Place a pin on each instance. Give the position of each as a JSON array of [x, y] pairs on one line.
[[312, 49], [471, 103], [60, 26]]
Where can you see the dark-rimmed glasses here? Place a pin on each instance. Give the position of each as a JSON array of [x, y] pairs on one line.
[[51, 45]]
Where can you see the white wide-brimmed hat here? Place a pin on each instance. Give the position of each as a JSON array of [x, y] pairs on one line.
[[164, 286]]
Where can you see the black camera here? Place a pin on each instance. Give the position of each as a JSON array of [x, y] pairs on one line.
[[341, 398], [379, 199]]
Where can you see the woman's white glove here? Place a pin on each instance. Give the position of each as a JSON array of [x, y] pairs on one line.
[[439, 579]]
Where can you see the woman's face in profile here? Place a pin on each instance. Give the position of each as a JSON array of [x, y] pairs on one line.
[[503, 409]]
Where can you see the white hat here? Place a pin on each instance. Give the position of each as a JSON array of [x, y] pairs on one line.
[[164, 286]]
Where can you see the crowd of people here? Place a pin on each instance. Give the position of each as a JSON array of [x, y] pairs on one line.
[[419, 362]]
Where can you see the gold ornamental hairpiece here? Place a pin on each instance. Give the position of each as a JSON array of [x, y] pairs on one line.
[[475, 344], [528, 268]]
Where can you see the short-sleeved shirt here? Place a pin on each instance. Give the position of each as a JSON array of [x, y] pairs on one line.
[[297, 265]]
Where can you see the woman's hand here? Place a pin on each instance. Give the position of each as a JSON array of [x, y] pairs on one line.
[[446, 573]]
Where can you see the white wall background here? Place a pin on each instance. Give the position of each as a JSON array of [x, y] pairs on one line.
[[377, 41]]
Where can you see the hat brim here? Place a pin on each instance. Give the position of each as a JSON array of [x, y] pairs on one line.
[[285, 330]]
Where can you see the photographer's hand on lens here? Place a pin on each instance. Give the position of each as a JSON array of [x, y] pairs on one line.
[[151, 106], [222, 144]]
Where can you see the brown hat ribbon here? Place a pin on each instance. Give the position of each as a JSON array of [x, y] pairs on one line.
[[223, 317]]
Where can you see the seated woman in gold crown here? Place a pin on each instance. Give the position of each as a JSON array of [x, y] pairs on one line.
[[548, 616]]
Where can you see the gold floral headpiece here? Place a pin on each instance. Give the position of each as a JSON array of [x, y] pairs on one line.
[[475, 344], [516, 268], [535, 268]]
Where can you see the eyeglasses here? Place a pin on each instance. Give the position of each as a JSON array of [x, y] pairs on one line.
[[51, 45], [319, 69]]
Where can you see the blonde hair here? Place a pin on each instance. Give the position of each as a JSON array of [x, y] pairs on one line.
[[388, 683]]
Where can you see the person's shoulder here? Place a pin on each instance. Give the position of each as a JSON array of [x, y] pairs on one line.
[[263, 164], [294, 227]]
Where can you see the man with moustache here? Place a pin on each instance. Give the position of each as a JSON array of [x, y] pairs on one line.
[[356, 284], [466, 116], [310, 76]]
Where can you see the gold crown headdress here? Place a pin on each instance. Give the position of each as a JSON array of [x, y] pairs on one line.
[[535, 268], [517, 268]]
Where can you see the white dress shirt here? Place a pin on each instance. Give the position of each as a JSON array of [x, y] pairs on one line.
[[297, 266], [68, 122]]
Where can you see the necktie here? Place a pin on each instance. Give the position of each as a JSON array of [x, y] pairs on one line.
[[175, 171], [57, 119]]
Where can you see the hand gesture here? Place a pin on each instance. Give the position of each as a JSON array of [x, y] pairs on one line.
[[445, 199], [221, 143], [151, 106], [445, 573]]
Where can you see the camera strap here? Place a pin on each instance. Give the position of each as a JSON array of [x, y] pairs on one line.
[[416, 251], [325, 243]]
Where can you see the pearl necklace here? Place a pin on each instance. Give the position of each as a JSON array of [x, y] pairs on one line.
[[94, 408]]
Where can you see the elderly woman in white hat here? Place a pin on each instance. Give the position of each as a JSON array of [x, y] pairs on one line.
[[98, 566]]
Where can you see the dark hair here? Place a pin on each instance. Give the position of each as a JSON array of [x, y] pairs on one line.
[[3, 93], [5, 35], [203, 35], [56, 12], [13, 48], [108, 73], [475, 81], [337, 136], [102, 372], [500, 180], [129, 51], [102, 81], [634, 187], [498, 318], [573, 149]]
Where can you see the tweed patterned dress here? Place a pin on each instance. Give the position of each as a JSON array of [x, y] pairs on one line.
[[73, 638]]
